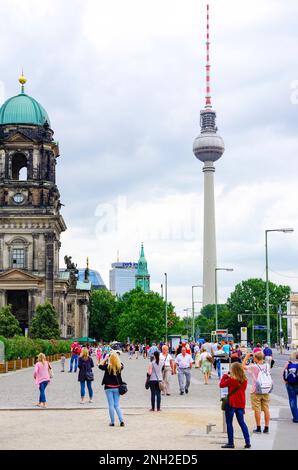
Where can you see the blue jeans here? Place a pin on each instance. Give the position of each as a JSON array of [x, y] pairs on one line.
[[218, 367], [292, 393], [42, 389], [113, 398], [89, 385], [75, 358], [240, 418], [155, 392]]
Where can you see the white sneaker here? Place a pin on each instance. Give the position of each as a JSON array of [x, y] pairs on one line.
[[82, 402], [90, 401]]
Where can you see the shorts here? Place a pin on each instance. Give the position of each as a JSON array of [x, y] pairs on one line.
[[260, 402]]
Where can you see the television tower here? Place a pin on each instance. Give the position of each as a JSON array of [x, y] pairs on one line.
[[208, 147]]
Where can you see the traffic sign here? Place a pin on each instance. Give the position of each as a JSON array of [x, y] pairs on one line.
[[260, 327]]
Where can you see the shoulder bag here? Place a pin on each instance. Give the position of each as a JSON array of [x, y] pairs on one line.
[[122, 387], [225, 400]]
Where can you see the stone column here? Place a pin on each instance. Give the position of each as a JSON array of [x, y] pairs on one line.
[[1, 251], [35, 237], [2, 297], [49, 252]]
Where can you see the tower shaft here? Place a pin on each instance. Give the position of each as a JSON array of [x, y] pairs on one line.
[[209, 257]]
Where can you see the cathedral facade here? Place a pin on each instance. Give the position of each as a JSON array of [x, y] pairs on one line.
[[31, 222]]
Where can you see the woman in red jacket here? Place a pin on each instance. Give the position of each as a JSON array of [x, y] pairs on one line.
[[236, 382]]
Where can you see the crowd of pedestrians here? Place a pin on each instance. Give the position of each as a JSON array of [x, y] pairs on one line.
[[164, 363]]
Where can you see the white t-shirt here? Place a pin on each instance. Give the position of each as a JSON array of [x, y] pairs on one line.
[[183, 362], [204, 356], [166, 360]]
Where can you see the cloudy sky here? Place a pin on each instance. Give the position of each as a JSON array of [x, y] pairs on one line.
[[123, 83]]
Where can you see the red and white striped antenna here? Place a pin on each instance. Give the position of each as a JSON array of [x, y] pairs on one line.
[[208, 66]]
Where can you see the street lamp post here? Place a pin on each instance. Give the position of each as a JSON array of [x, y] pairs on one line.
[[166, 306], [193, 310], [284, 230], [187, 320], [216, 313]]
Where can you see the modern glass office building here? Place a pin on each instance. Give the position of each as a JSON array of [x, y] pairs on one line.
[[123, 277]]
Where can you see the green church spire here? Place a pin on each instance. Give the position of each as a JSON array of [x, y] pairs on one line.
[[142, 275]]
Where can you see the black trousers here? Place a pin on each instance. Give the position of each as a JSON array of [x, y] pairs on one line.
[[155, 392]]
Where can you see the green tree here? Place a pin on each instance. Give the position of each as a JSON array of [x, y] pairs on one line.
[[141, 316], [250, 297], [9, 325], [103, 315], [205, 322], [44, 324]]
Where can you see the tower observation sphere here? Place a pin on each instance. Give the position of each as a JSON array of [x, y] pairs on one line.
[[209, 145]]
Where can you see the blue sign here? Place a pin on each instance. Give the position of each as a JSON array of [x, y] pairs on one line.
[[260, 327]]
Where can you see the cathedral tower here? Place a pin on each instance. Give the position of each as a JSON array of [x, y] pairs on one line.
[[30, 219], [142, 275]]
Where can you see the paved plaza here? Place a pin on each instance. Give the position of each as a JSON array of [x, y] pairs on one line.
[[181, 424]]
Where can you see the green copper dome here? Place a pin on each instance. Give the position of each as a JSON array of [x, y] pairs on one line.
[[23, 109]]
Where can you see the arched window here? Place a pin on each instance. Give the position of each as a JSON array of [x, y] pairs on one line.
[[19, 167]]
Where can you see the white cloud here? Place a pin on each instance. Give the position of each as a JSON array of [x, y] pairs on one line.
[[123, 83]]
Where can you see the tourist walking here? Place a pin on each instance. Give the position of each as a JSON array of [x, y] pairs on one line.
[[131, 351], [206, 364], [85, 365], [155, 379], [137, 350], [236, 382], [260, 389], [184, 364], [197, 356], [152, 350], [112, 380], [218, 357], [42, 376], [257, 348], [167, 369], [268, 355], [75, 352], [62, 362], [236, 354], [290, 376]]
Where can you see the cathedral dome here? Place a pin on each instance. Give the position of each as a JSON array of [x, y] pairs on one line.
[[23, 109]]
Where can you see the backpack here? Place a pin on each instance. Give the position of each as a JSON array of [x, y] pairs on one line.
[[291, 374], [264, 382]]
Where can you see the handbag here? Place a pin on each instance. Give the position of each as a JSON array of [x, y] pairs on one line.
[[89, 376], [225, 400], [51, 373], [147, 384], [122, 387]]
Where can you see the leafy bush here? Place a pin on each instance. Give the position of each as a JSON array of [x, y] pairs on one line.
[[9, 325], [21, 347], [45, 324]]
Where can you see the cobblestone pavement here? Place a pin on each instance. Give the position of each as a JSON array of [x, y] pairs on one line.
[[183, 417], [18, 390]]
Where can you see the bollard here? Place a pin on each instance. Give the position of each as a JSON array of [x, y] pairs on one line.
[[209, 427]]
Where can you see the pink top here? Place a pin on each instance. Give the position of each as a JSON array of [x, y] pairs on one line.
[[254, 370], [257, 350], [41, 372]]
